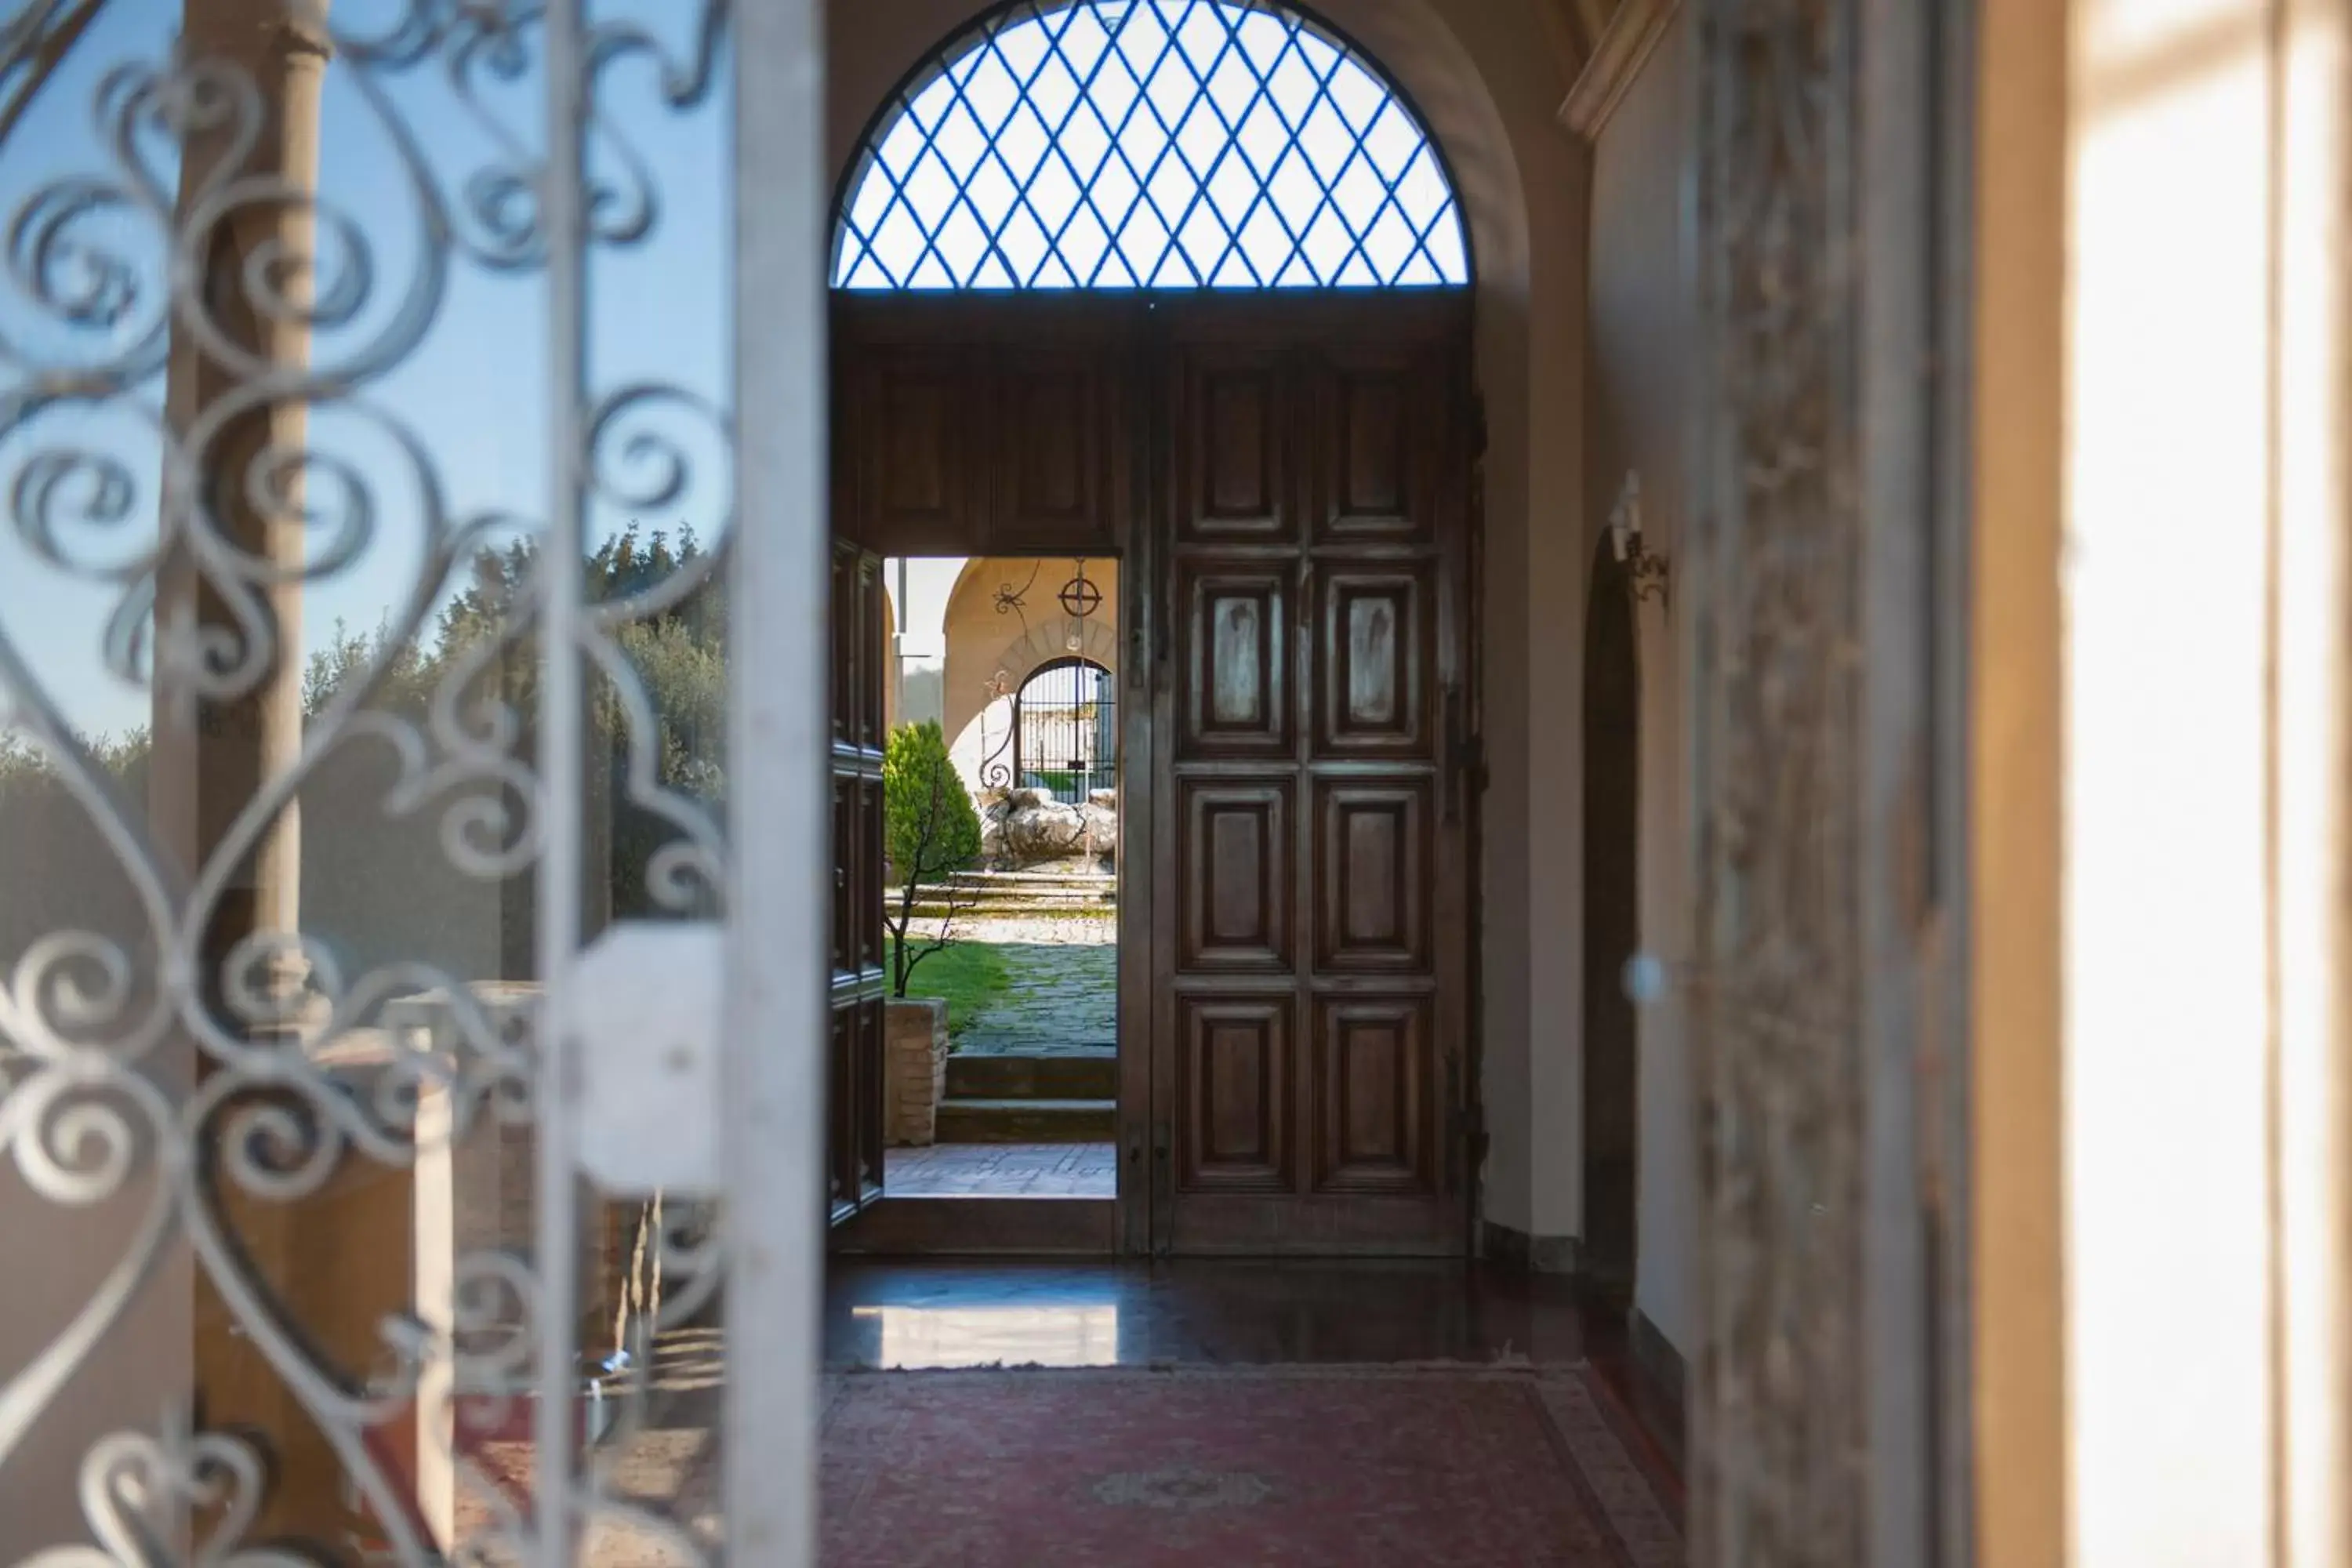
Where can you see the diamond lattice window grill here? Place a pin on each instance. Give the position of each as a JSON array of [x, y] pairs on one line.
[[1149, 144]]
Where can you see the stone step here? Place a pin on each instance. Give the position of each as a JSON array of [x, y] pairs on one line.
[[1027, 1121], [1047, 892], [972, 1076], [1021, 878], [931, 911]]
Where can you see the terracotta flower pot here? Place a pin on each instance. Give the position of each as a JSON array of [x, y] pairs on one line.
[[915, 1068]]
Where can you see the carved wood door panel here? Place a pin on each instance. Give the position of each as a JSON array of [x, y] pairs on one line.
[[991, 424], [1310, 1032]]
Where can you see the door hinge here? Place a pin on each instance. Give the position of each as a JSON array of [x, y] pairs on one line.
[[1137, 631], [1465, 1142], [1164, 1191], [1466, 756], [1470, 1127]]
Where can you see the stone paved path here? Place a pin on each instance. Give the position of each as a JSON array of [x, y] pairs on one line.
[[1062, 993]]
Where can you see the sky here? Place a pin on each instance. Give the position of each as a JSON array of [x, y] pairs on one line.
[[473, 393]]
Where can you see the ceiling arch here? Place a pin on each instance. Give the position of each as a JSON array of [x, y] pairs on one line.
[[1473, 114]]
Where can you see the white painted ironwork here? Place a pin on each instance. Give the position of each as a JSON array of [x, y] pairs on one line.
[[213, 334], [644, 1002], [779, 966]]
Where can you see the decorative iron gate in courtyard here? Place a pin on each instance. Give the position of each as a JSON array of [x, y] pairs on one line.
[[1065, 730]]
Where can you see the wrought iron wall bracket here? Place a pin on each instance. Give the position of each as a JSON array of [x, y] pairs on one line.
[[1646, 576]]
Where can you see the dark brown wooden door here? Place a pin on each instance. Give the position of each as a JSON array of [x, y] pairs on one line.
[[1310, 973], [855, 1121]]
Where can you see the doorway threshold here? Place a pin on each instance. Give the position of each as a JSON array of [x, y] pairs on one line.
[[1086, 1170], [984, 1227]]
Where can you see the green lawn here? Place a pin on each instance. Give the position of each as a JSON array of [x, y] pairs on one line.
[[964, 975]]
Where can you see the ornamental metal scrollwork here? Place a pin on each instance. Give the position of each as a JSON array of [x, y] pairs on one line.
[[208, 363], [1012, 601], [995, 768], [1078, 597]]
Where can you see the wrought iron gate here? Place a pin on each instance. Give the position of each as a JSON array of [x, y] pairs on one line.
[[362, 1103], [1065, 730]]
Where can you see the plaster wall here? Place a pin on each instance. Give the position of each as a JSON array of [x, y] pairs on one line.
[[916, 593], [2200, 484], [1483, 77], [2017, 1406], [986, 649], [1642, 331]]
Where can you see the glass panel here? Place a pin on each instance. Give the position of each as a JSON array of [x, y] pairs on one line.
[[1265, 153]]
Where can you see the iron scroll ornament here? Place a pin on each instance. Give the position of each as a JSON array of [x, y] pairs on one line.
[[999, 766], [301, 309]]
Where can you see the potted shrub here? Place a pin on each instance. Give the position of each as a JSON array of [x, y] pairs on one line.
[[931, 834]]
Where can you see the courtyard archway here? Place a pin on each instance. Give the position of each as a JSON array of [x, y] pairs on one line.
[[1004, 621], [1488, 86]]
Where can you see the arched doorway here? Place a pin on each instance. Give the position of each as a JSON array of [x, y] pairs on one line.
[[1613, 705], [1065, 730], [1183, 283]]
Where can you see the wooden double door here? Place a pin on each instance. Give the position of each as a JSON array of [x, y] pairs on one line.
[[1286, 483]]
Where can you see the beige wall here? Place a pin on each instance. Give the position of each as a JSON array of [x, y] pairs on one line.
[[1641, 326], [2017, 1348], [1481, 73], [983, 643]]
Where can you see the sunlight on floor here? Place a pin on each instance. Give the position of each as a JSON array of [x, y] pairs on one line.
[[1004, 1171], [1043, 1335]]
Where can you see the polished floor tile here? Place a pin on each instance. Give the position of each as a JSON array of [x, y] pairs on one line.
[[913, 1314], [943, 1314]]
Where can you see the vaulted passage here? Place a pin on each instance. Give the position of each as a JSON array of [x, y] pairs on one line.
[[1180, 283]]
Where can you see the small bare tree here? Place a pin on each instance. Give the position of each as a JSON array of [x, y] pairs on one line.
[[932, 832]]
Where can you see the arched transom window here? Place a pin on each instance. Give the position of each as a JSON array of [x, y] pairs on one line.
[[1148, 144]]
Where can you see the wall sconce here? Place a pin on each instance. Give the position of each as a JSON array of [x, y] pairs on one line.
[[1645, 575]]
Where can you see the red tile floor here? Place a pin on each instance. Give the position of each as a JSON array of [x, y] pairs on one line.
[[1290, 1318], [943, 1312], [1004, 1171]]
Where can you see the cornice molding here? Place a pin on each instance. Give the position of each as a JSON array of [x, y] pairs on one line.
[[1569, 30], [1617, 57]]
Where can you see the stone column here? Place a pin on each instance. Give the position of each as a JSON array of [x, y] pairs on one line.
[[213, 755], [337, 1260]]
